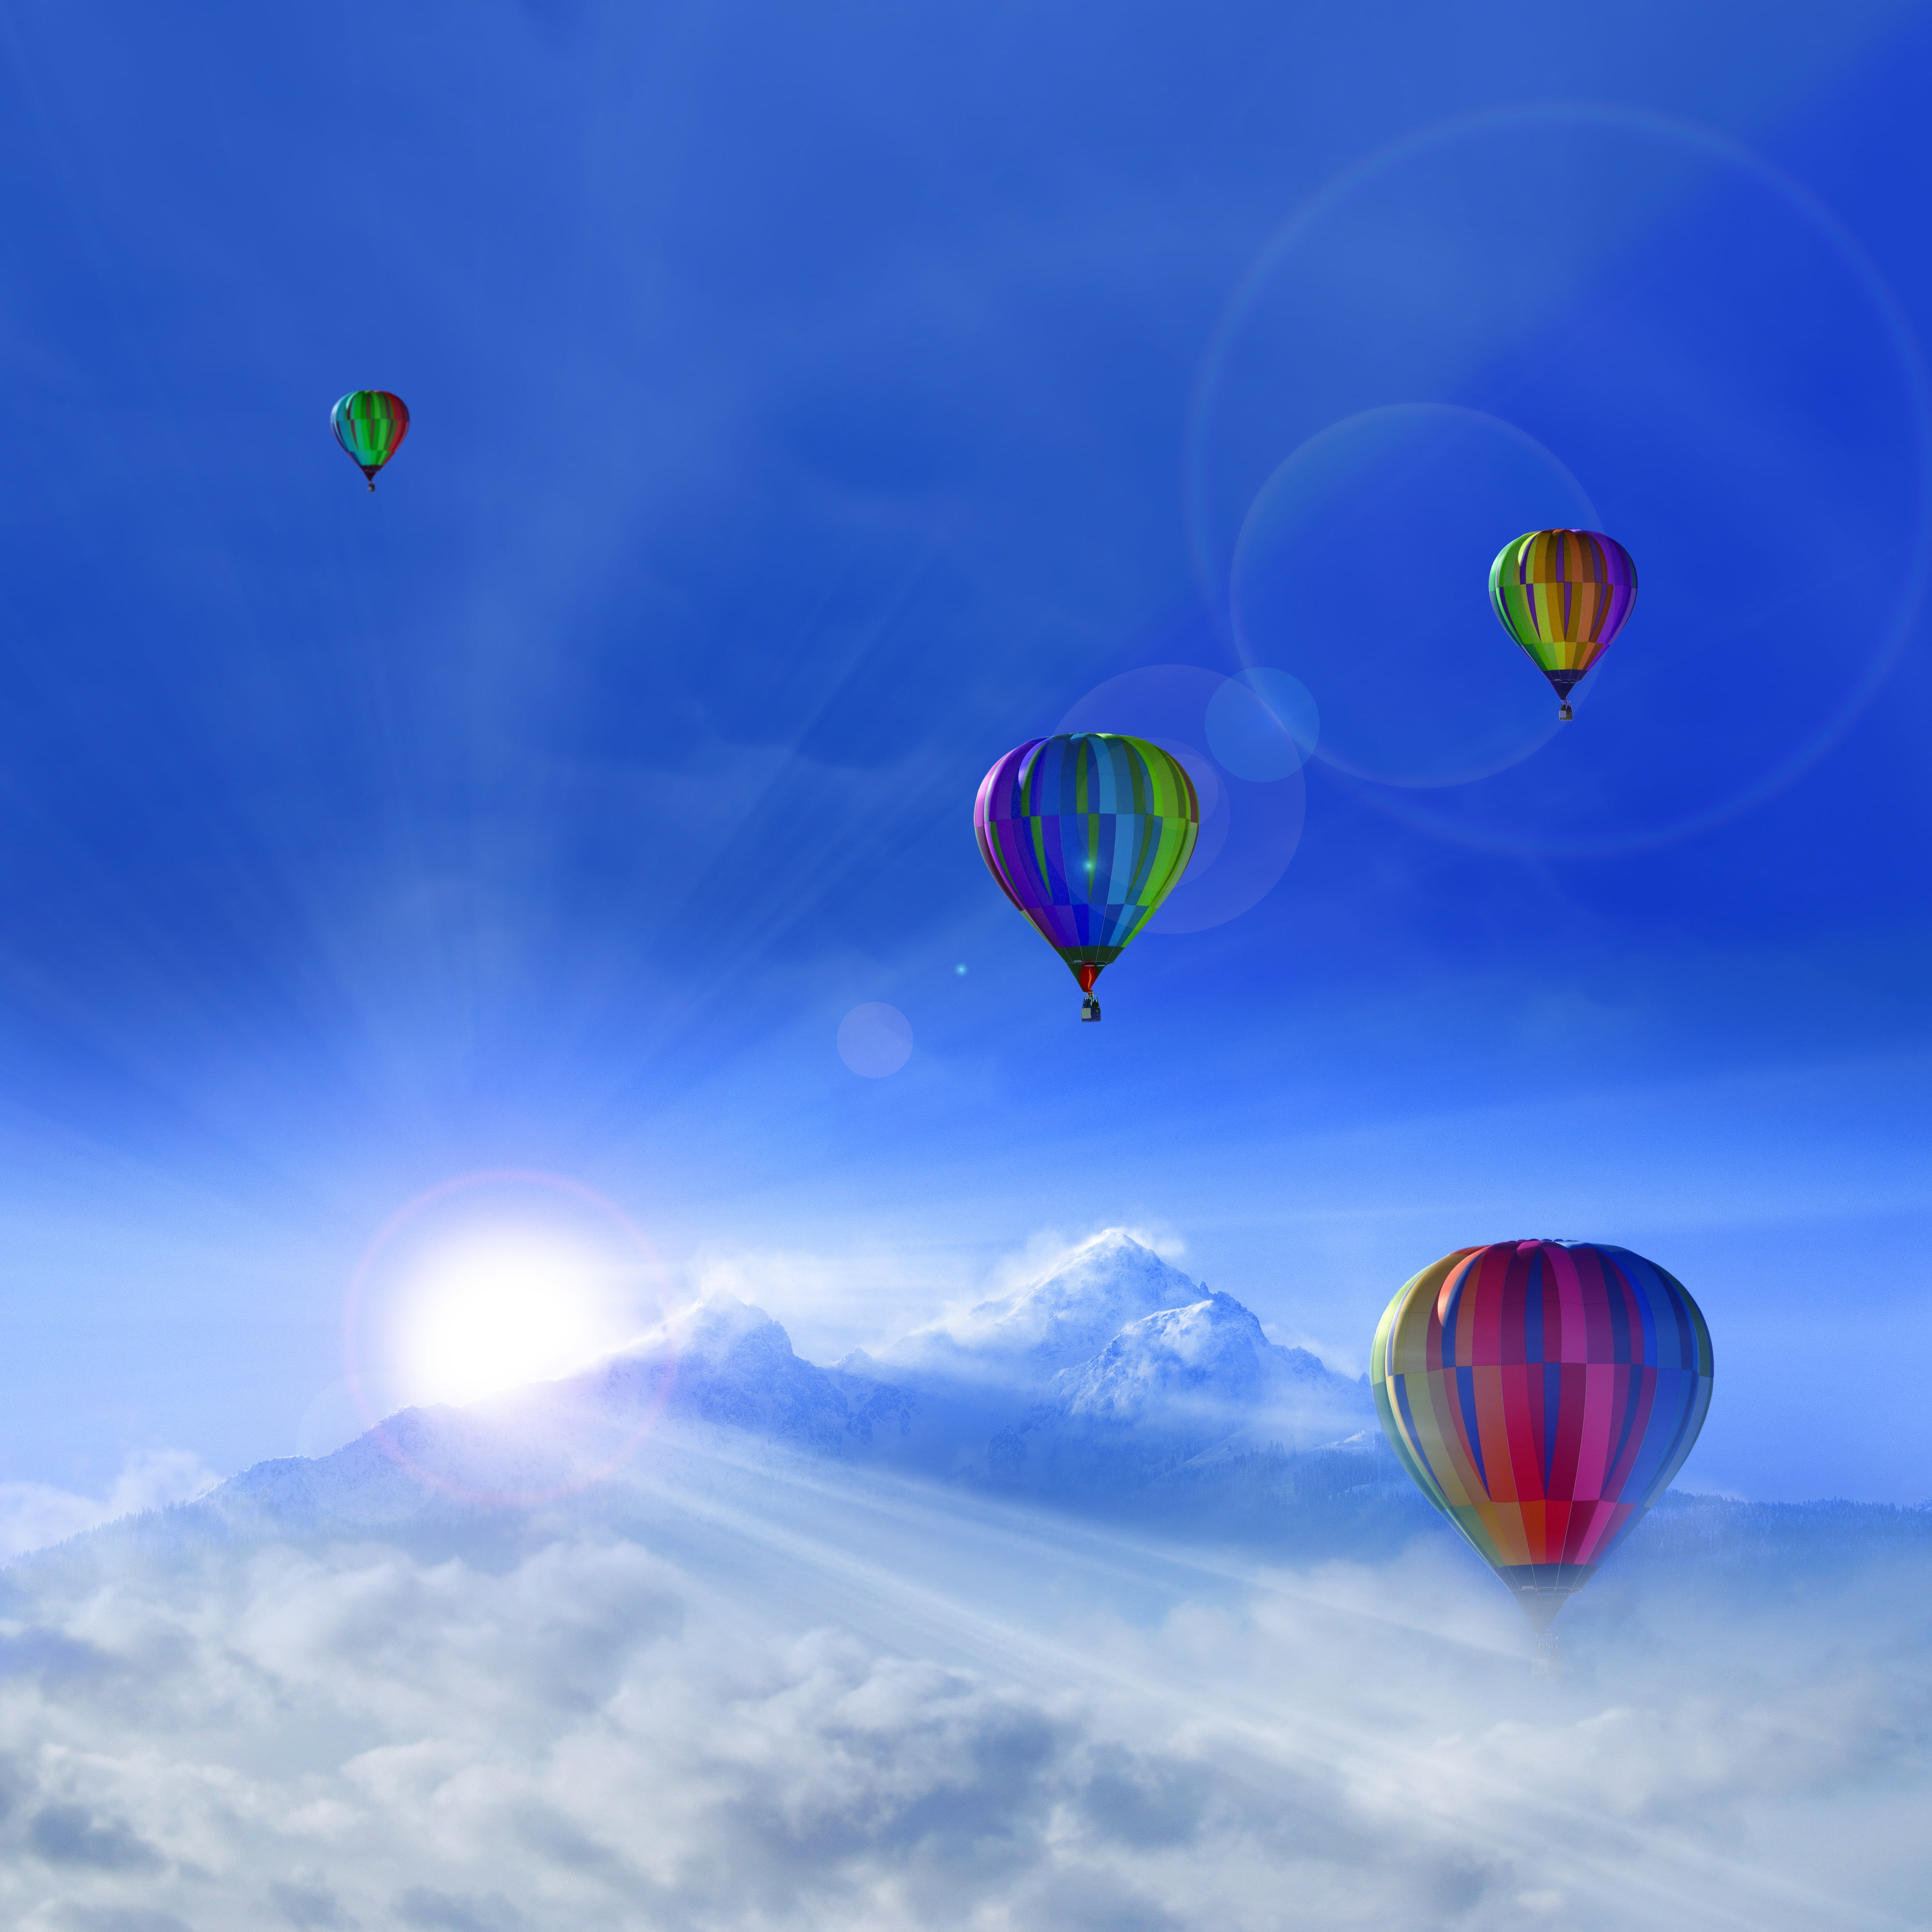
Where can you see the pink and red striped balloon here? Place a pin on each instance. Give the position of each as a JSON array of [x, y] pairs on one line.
[[1543, 1394]]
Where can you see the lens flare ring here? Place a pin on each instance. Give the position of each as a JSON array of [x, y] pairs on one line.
[[1211, 573], [1248, 832], [1565, 494]]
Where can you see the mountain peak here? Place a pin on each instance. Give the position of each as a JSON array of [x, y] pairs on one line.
[[1067, 1315], [715, 1328], [1213, 1351]]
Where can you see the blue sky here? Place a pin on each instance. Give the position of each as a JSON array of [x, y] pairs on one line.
[[810, 404]]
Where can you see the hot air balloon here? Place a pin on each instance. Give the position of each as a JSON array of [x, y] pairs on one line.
[[370, 424], [1087, 832], [1543, 1394], [1563, 595]]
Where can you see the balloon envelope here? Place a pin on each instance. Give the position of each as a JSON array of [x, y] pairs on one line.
[[1087, 832], [1543, 1394], [370, 424], [1563, 596]]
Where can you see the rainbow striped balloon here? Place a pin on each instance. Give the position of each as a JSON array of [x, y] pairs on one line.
[[1563, 596], [370, 424], [1087, 832], [1543, 1394]]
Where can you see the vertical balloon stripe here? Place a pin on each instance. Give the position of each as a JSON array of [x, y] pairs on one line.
[[1146, 861], [1593, 1453], [1643, 1287], [1553, 1403], [1573, 1333], [1640, 1395], [1486, 1320], [1520, 1417], [1469, 1415], [1048, 868], [1544, 1394], [1619, 1297], [1404, 1437]]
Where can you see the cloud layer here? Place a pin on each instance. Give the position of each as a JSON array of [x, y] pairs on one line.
[[33, 1515], [961, 1716]]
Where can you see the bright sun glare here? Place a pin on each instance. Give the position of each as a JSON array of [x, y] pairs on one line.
[[491, 1312]]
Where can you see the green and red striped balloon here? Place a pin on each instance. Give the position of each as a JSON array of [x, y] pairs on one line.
[[370, 424]]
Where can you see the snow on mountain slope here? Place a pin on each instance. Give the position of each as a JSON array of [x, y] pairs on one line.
[[1197, 1384], [719, 1365], [1066, 1318], [722, 1361], [1070, 1388], [1211, 1357]]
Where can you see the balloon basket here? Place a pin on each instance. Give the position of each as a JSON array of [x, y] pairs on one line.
[[1547, 1662], [1089, 1008], [1564, 715]]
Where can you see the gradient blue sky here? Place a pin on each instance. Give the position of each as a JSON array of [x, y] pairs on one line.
[[811, 403]]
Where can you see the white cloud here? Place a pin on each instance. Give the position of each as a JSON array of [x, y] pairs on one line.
[[831, 1301], [1349, 1357], [33, 1515], [780, 1697]]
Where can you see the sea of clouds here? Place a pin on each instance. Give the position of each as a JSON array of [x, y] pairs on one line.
[[757, 1692]]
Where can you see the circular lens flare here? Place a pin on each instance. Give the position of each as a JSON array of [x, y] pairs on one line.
[[1837, 556], [1248, 832], [1262, 725], [1419, 686], [875, 1040]]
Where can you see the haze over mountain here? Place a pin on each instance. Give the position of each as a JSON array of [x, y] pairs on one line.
[[1020, 1340], [1067, 1372], [1186, 1421], [710, 1635]]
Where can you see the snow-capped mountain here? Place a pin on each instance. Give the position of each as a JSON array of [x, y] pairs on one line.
[[1202, 1380], [1110, 1373], [1067, 1317], [725, 1363], [1184, 1368], [979, 1373], [718, 1368]]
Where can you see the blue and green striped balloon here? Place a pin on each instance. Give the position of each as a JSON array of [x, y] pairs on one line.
[[1087, 832]]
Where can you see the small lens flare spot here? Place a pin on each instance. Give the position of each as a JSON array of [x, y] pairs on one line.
[[875, 1040], [960, 968]]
